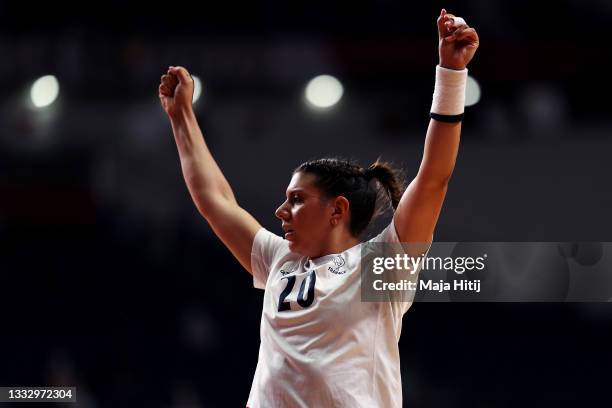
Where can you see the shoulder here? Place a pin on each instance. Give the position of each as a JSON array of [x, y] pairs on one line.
[[269, 247], [388, 234], [264, 238]]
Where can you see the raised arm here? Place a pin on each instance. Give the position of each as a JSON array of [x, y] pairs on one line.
[[207, 185], [418, 211]]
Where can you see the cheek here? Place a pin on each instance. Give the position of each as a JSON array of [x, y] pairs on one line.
[[309, 219], [298, 214], [303, 215]]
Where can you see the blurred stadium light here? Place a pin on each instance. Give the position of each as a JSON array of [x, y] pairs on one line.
[[197, 88], [472, 91], [324, 91], [44, 91]]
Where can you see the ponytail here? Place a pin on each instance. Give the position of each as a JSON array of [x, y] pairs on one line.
[[390, 179]]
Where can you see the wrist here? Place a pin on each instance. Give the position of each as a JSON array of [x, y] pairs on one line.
[[182, 116], [454, 67]]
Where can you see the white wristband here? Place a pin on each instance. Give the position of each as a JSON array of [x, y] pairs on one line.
[[449, 92]]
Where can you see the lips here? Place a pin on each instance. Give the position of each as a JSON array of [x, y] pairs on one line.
[[289, 233]]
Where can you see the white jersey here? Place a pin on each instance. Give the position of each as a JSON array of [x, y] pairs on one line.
[[321, 346]]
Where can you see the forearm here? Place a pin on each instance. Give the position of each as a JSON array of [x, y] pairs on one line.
[[440, 152], [203, 176], [442, 140]]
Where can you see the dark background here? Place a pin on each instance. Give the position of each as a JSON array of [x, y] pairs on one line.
[[112, 282]]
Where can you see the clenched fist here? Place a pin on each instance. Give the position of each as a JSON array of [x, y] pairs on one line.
[[176, 91], [458, 41]]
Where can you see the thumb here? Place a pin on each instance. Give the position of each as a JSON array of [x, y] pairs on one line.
[[181, 73], [440, 22]]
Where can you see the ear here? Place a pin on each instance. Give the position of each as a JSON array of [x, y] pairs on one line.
[[341, 208]]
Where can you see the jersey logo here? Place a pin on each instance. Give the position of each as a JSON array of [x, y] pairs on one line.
[[339, 262], [288, 268]]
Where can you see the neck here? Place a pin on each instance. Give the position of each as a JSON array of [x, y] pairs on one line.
[[340, 241]]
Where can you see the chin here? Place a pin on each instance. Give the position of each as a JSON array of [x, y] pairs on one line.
[[293, 247]]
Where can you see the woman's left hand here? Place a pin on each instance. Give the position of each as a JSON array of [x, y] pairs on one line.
[[457, 45]]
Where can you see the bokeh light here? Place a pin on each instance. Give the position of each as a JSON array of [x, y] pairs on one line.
[[197, 88], [44, 91], [472, 91], [324, 91]]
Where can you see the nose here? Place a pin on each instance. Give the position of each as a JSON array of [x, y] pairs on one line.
[[281, 212]]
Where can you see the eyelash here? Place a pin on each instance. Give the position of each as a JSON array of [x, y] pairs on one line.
[[295, 199]]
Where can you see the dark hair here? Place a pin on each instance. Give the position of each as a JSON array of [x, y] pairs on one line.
[[368, 190]]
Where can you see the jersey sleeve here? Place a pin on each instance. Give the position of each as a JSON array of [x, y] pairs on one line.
[[389, 236], [266, 248]]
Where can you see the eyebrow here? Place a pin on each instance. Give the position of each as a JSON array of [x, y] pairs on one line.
[[295, 190]]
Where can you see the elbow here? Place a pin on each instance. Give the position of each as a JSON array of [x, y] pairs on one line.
[[210, 205], [435, 174], [203, 209], [434, 181], [207, 200]]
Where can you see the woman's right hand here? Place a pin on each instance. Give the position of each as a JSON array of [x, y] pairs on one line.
[[176, 91]]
